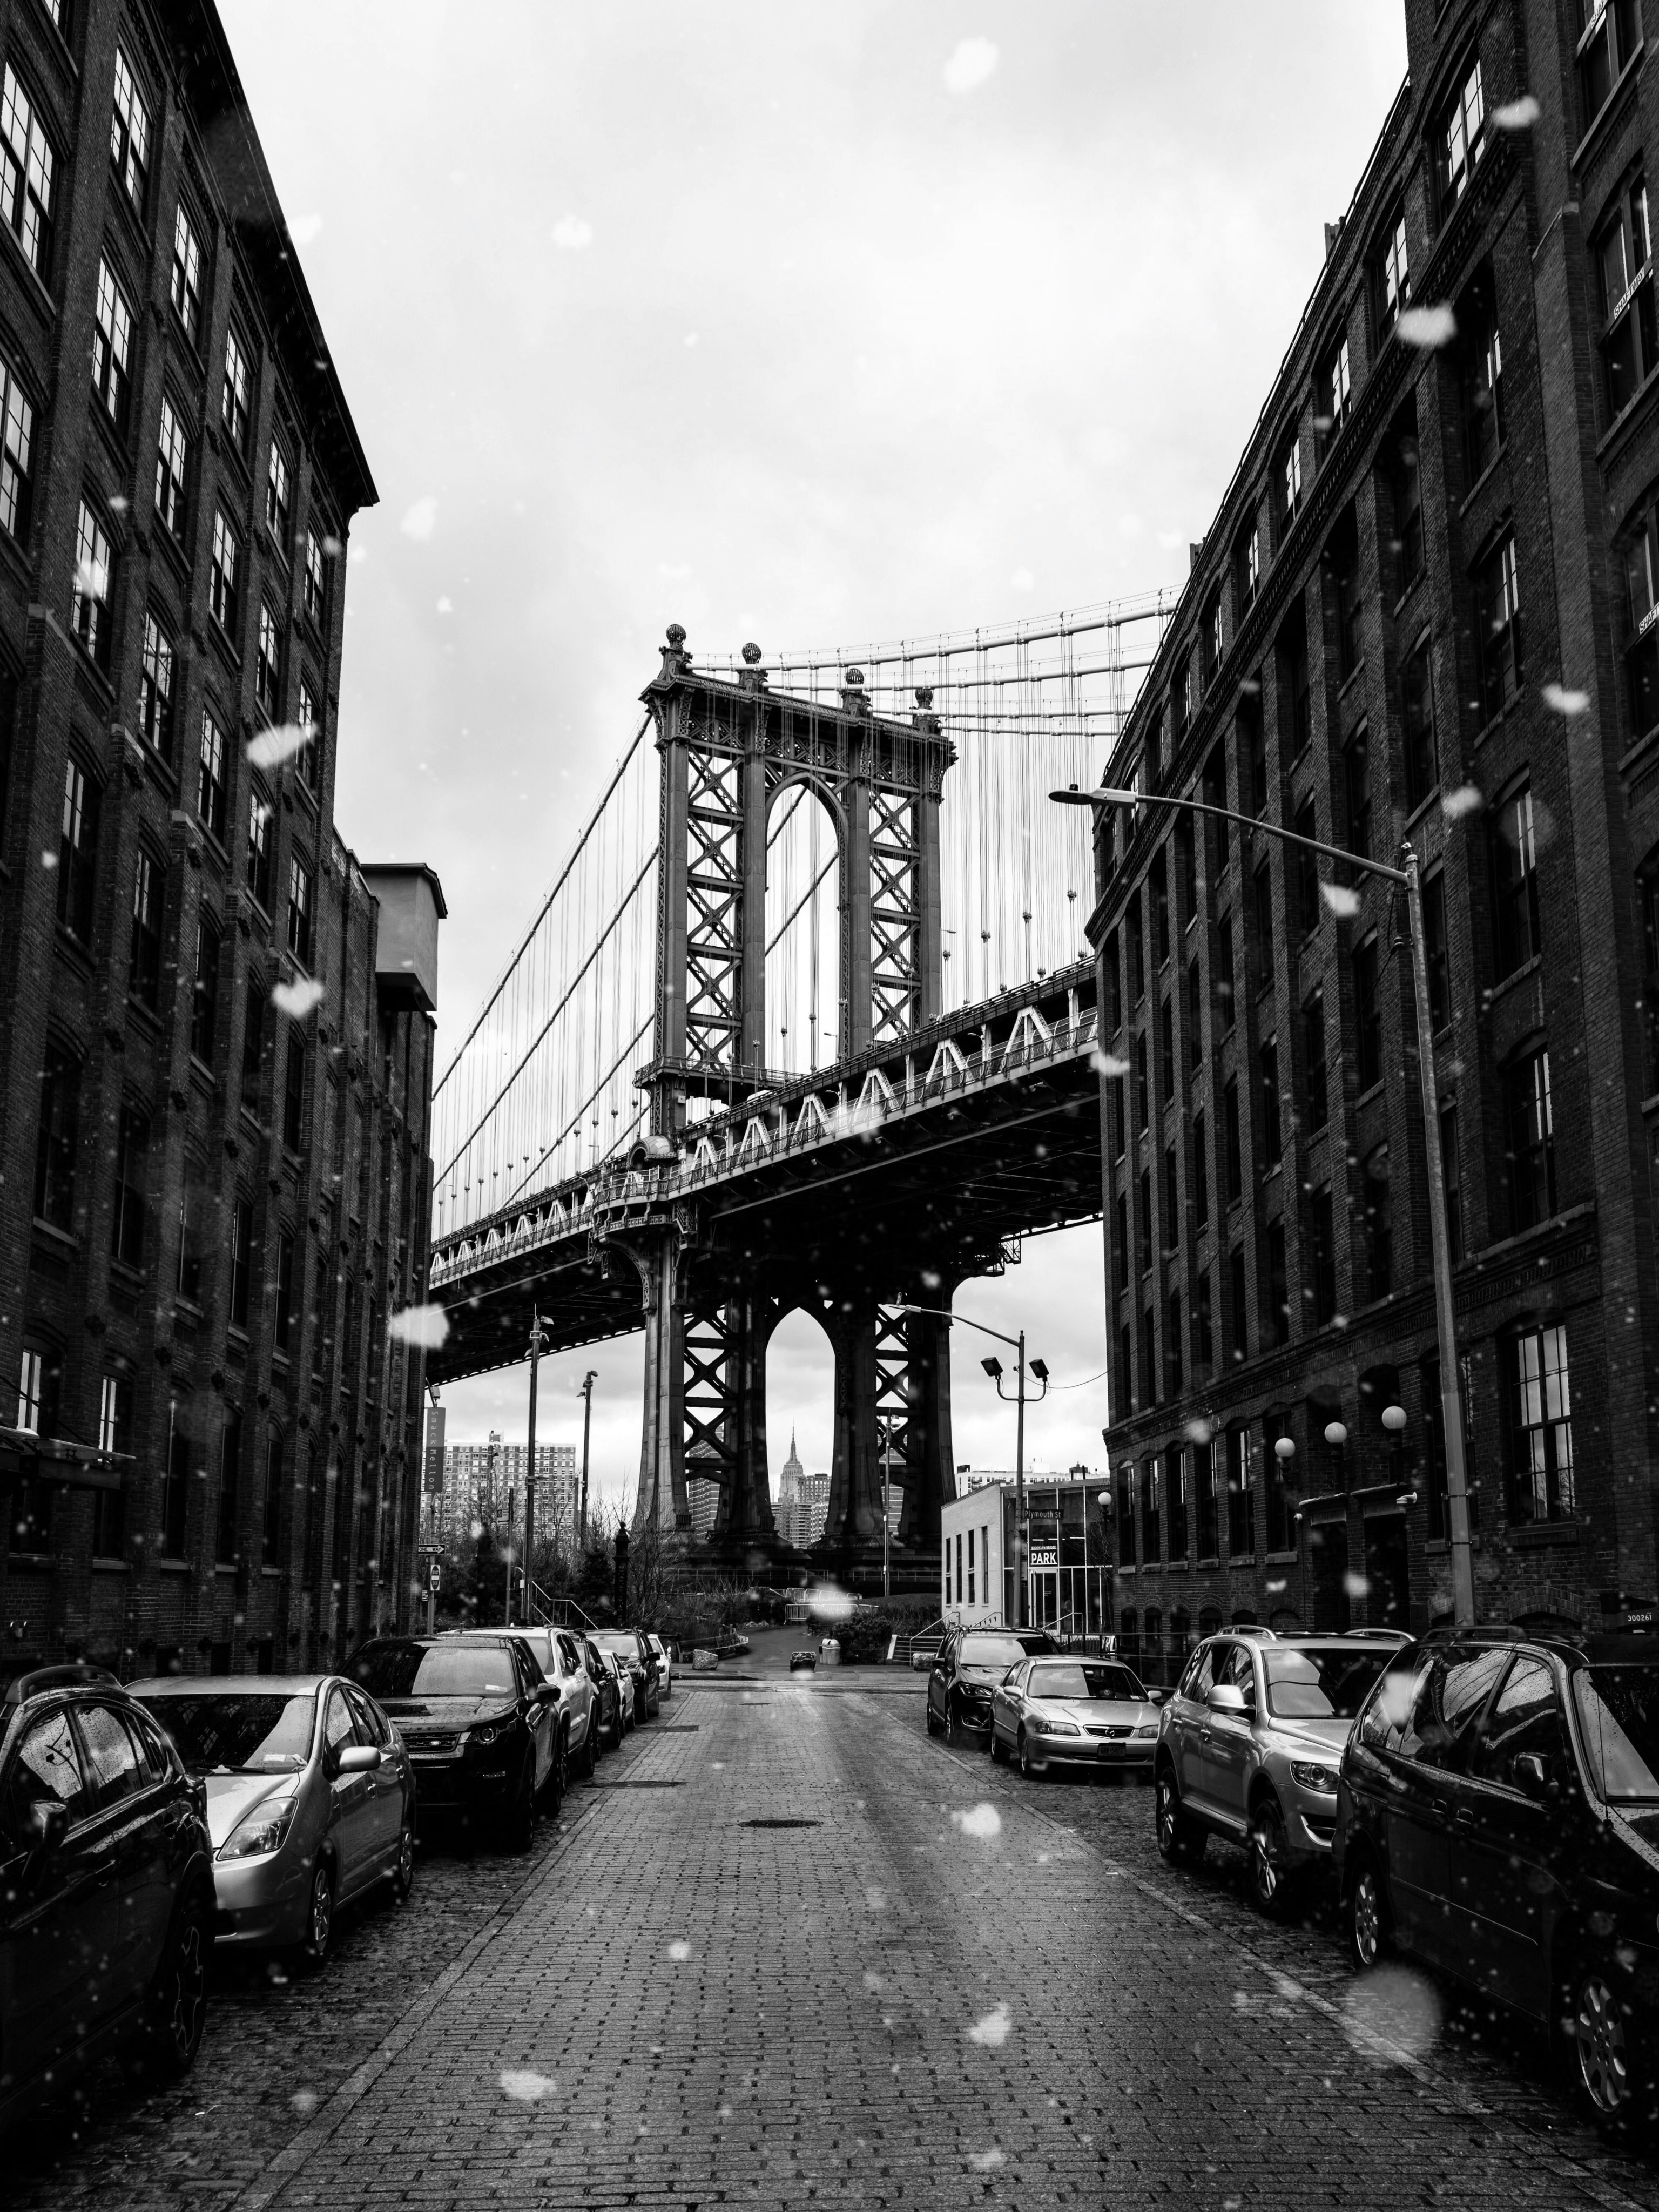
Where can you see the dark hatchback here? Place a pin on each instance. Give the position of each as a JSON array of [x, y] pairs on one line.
[[971, 1663], [480, 1722], [1498, 1815], [105, 1886]]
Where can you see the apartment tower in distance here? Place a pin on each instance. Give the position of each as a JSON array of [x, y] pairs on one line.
[[216, 1026], [1427, 608]]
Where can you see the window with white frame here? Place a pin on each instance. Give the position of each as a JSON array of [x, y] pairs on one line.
[[129, 136], [89, 607], [224, 575], [1623, 258], [1462, 138], [278, 495], [185, 286], [236, 395], [111, 347], [172, 462], [27, 174], [16, 456]]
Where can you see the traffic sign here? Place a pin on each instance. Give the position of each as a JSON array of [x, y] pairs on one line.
[[435, 1580]]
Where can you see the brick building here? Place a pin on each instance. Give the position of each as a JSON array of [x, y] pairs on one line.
[[1425, 609], [215, 1025], [486, 1483]]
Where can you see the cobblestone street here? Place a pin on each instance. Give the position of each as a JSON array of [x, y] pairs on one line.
[[763, 1960]]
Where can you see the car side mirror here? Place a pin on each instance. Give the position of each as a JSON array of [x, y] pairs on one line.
[[358, 1758], [547, 1693], [1530, 1772], [48, 1824], [1226, 1698]]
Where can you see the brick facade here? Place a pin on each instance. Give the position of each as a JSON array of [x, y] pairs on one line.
[[1436, 486], [210, 1204]]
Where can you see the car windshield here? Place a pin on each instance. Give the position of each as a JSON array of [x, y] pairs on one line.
[[1619, 1717], [1330, 1682], [1083, 1679], [1001, 1650], [618, 1640], [427, 1670], [239, 1732]]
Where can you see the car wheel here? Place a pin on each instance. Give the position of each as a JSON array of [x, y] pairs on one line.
[[403, 1871], [998, 1749], [520, 1815], [1271, 1881], [933, 1723], [1609, 2051], [319, 1916], [1365, 1917], [589, 1758], [175, 2006], [953, 1719], [1030, 1772], [1180, 1838], [552, 1790]]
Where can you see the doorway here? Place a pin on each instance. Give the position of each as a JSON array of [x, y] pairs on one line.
[[1327, 1562], [1388, 1570]]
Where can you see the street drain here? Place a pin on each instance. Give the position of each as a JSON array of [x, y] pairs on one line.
[[636, 1782], [780, 1824], [680, 1727]]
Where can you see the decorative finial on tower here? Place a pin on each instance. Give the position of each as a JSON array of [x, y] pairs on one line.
[[751, 654], [854, 699], [675, 658], [751, 677]]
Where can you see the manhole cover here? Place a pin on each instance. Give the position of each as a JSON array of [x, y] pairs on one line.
[[780, 1824]]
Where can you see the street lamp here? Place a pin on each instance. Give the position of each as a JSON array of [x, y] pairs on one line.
[[886, 1504], [1409, 876], [539, 1342], [993, 1367]]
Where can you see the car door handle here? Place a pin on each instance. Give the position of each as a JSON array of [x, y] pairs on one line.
[[1463, 1818], [1440, 1805], [1204, 1735]]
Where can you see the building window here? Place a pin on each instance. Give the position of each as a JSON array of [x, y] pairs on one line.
[[1246, 567], [1624, 256], [1143, 1088], [315, 585], [1320, 1293], [271, 1520], [1302, 869], [27, 172], [224, 575], [1203, 1328], [241, 1261], [1407, 485], [210, 781], [1149, 1357], [282, 1310], [253, 1039], [1367, 1015], [1282, 1487], [1233, 1161], [1151, 1549], [204, 997], [36, 1411], [1357, 788], [58, 1138], [155, 688], [1210, 640], [1642, 614], [278, 500], [230, 1479], [16, 458], [1121, 1244], [111, 348], [261, 845], [1237, 1317], [144, 958], [268, 661], [1481, 358], [1350, 603], [89, 615], [1171, 1204], [1204, 1494], [114, 1435], [129, 137], [1253, 748], [1530, 1155], [1137, 954], [1541, 1426], [176, 1487], [77, 851], [171, 463], [311, 756], [1497, 628], [1333, 397], [1515, 883], [1224, 993], [1194, 1017], [1394, 279], [1278, 1284], [131, 1153], [1436, 957], [1313, 1059], [294, 1092], [1294, 685], [1272, 1138], [1289, 484], [1127, 1484], [1417, 720], [1609, 33], [1462, 138], [186, 285], [1166, 1049], [1145, 1222], [1241, 1497], [1451, 1177], [1377, 1210], [1201, 1175], [236, 392], [189, 1283]]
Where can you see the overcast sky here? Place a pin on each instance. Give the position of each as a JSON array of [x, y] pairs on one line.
[[804, 324]]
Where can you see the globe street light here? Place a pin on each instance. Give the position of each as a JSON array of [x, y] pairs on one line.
[[1409, 876]]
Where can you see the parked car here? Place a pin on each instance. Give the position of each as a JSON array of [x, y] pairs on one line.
[[633, 1648], [105, 1886], [1073, 1712], [665, 1666], [622, 1678], [310, 1799], [1249, 1746], [479, 1720], [557, 1652], [971, 1662], [606, 1675], [1499, 1816]]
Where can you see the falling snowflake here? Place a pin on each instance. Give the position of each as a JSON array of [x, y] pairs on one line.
[[91, 579], [1355, 1584], [571, 234], [992, 2030], [679, 1952], [1108, 1063], [983, 2160], [1463, 800], [444, 605], [304, 228], [296, 1000], [1560, 700], [524, 2086], [422, 519], [274, 746], [1199, 1430], [1342, 903], [1516, 114], [1429, 327], [971, 64], [426, 1325], [304, 2102], [979, 1821]]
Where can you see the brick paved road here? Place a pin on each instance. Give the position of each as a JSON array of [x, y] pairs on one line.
[[667, 2005]]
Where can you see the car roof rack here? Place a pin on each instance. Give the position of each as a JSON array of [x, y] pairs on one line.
[[73, 1674]]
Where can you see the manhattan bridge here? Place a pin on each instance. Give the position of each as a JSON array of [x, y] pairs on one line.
[[805, 1019]]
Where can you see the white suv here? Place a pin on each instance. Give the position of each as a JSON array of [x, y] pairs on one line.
[[666, 1684], [558, 1654]]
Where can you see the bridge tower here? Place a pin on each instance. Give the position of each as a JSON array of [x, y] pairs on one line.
[[729, 751]]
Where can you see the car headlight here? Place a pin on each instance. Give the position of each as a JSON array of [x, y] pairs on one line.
[[1056, 1727], [263, 1830], [480, 1738], [1147, 1727], [1307, 1777]]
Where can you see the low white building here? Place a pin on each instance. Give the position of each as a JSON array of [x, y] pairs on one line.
[[1069, 1565]]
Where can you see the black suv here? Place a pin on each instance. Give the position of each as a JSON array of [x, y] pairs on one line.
[[971, 1663], [106, 1885], [1498, 1814], [480, 1722]]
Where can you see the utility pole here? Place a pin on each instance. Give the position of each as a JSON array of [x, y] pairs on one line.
[[538, 1344], [886, 1510], [588, 1381]]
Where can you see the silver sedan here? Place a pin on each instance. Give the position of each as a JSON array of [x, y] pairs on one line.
[[310, 1799], [1057, 1711]]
